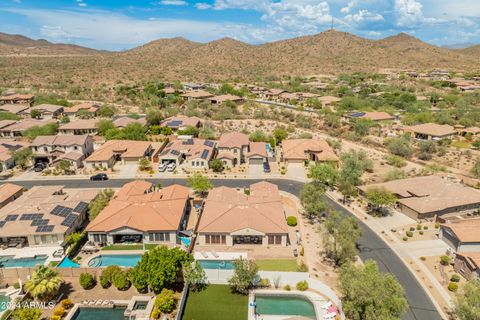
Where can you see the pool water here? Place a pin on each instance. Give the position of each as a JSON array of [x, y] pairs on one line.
[[216, 264], [10, 262], [99, 314], [67, 263], [121, 260], [4, 300], [288, 305]]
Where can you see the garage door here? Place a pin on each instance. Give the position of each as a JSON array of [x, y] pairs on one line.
[[255, 161]]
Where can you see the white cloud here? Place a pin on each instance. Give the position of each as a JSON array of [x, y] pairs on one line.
[[202, 6], [362, 16], [82, 4], [349, 7], [173, 2]]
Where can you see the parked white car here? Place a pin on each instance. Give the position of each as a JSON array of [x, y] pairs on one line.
[[162, 167], [171, 167]]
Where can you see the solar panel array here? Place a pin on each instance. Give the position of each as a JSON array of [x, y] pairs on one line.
[[31, 216], [48, 228], [81, 207], [2, 223], [205, 154], [11, 217], [188, 142], [209, 143], [175, 152], [39, 222], [61, 211], [70, 220], [174, 123]]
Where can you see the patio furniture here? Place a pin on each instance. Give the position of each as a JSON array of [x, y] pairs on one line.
[[329, 316], [99, 302], [327, 305], [215, 254], [295, 252], [59, 253], [204, 254]]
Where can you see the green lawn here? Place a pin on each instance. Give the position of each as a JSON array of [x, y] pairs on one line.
[[461, 144], [129, 247], [216, 302], [277, 265]]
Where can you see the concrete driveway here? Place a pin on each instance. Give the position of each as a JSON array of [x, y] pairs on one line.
[[423, 248], [255, 170], [125, 171], [296, 171]]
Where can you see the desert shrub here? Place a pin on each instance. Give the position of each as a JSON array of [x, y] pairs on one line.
[[264, 283], [302, 267], [452, 286], [292, 221], [425, 227], [87, 281], [445, 260], [66, 303], [120, 280], [302, 285], [421, 232], [55, 318], [409, 234], [287, 287], [419, 227], [106, 278], [165, 301], [59, 311], [455, 278]]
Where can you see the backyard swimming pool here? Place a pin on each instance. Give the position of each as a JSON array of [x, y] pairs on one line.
[[11, 262], [284, 305], [99, 314], [216, 264], [67, 263], [121, 260]]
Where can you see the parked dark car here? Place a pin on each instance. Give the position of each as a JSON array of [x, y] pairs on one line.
[[39, 167], [266, 167], [99, 177]]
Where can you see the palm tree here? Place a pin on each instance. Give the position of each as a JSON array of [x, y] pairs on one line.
[[44, 284]]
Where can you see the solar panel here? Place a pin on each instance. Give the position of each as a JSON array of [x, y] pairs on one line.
[[48, 228], [169, 145], [11, 217], [81, 207], [204, 154], [39, 222], [70, 220], [61, 211], [175, 123], [2, 223], [209, 143], [31, 216], [175, 152], [188, 142], [56, 210]]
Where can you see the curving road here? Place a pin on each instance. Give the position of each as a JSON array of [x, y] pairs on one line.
[[371, 245]]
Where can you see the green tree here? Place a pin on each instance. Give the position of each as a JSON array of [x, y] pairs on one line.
[[332, 120], [100, 202], [35, 131], [103, 126], [396, 161], [26, 314], [133, 131], [35, 114], [9, 116], [362, 126], [199, 183], [144, 164], [22, 157], [189, 131], [206, 132], [216, 165], [84, 114], [340, 237], [427, 149], [165, 301], [244, 274], [64, 166], [158, 268], [194, 275], [312, 201], [154, 117], [106, 111], [400, 146], [467, 302], [324, 173], [258, 136], [279, 134], [395, 174], [355, 163], [44, 284], [380, 198], [368, 294]]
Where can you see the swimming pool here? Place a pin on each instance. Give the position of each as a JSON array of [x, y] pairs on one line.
[[67, 263], [284, 305], [121, 260], [11, 262], [4, 300], [216, 264], [99, 313]]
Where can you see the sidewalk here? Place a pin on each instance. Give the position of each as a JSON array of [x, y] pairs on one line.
[[400, 250]]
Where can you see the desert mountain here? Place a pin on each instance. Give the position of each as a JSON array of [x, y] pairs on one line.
[[178, 58], [473, 50], [21, 45]]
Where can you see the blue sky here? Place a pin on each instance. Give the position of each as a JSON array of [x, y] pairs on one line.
[[123, 24]]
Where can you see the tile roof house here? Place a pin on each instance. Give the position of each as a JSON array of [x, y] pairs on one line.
[[181, 122], [462, 236], [9, 192], [139, 213], [196, 95], [122, 122], [468, 265], [431, 131], [226, 97], [233, 148], [17, 98], [17, 128], [126, 151], [430, 196], [8, 146], [71, 112], [193, 153], [374, 116], [257, 153], [231, 217], [52, 149], [15, 108], [302, 150], [79, 127], [49, 111], [44, 215]]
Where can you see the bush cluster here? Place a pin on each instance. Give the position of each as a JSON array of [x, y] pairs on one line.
[[292, 221], [87, 281]]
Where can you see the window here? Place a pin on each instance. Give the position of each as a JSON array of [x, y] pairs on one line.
[[235, 151], [159, 236], [275, 239], [36, 148], [45, 149], [215, 239], [75, 148], [100, 238]]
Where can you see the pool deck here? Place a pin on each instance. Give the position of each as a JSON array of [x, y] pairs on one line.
[[30, 252], [317, 301], [209, 255]]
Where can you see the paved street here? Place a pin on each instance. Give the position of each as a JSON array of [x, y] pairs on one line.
[[371, 245]]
